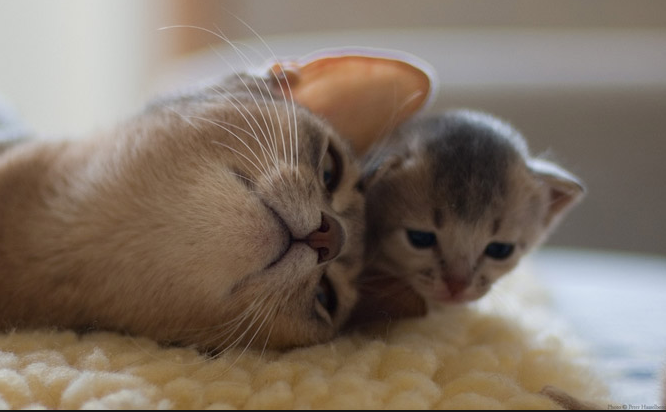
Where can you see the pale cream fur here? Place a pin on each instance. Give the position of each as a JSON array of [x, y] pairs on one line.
[[174, 224], [494, 354]]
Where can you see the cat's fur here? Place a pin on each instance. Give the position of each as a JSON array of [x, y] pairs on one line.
[[465, 178], [203, 220]]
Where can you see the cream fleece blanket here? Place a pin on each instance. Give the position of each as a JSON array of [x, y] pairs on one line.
[[498, 353]]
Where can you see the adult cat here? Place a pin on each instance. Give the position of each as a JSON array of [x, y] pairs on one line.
[[222, 216]]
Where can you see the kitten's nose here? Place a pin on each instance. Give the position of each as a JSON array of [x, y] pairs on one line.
[[328, 239], [456, 286]]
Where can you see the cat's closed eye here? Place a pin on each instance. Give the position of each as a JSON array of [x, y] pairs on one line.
[[331, 169], [326, 300]]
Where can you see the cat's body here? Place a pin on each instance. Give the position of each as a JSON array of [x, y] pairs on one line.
[[453, 202], [203, 220]]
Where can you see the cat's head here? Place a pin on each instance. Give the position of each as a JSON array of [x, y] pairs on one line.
[[253, 210], [454, 201]]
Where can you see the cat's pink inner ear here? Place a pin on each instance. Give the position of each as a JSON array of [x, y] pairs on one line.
[[364, 97]]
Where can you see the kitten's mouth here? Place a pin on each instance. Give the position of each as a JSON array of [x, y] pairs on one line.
[[445, 296]]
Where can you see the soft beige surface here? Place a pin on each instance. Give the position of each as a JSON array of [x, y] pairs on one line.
[[497, 354]]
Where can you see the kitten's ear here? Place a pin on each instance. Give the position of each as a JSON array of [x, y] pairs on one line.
[[377, 167], [364, 94], [564, 189]]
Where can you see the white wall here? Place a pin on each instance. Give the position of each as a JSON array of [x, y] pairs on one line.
[[70, 66]]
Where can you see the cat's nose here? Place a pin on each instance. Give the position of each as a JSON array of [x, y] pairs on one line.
[[328, 239]]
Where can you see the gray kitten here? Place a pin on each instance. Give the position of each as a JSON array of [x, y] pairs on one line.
[[453, 202]]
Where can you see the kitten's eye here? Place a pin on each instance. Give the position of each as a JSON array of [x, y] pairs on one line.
[[421, 240], [325, 298], [331, 169], [499, 251]]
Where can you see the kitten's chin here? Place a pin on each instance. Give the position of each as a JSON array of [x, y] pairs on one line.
[[451, 300], [444, 297]]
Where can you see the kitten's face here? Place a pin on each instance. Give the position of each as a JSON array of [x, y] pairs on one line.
[[454, 202], [446, 258], [273, 213]]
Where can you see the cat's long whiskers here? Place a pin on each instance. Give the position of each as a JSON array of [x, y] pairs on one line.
[[239, 52], [259, 307], [278, 302], [240, 129], [247, 60], [162, 357], [239, 77], [274, 157], [293, 152], [267, 133], [247, 179], [268, 337], [258, 313], [184, 117], [268, 313], [227, 95], [236, 152], [291, 96], [221, 347], [225, 128]]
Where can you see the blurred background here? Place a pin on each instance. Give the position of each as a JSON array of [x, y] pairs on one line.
[[585, 81]]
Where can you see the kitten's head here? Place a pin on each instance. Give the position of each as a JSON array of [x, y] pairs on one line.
[[454, 201], [249, 207]]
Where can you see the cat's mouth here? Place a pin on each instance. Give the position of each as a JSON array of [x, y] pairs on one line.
[[283, 252], [327, 240], [285, 236]]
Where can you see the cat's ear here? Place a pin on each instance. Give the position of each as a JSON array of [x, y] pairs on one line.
[[364, 94], [563, 189]]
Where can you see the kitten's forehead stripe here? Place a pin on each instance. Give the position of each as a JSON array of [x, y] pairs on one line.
[[497, 223], [438, 218], [470, 159]]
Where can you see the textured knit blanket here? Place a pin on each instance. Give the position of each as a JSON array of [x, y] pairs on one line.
[[497, 353]]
